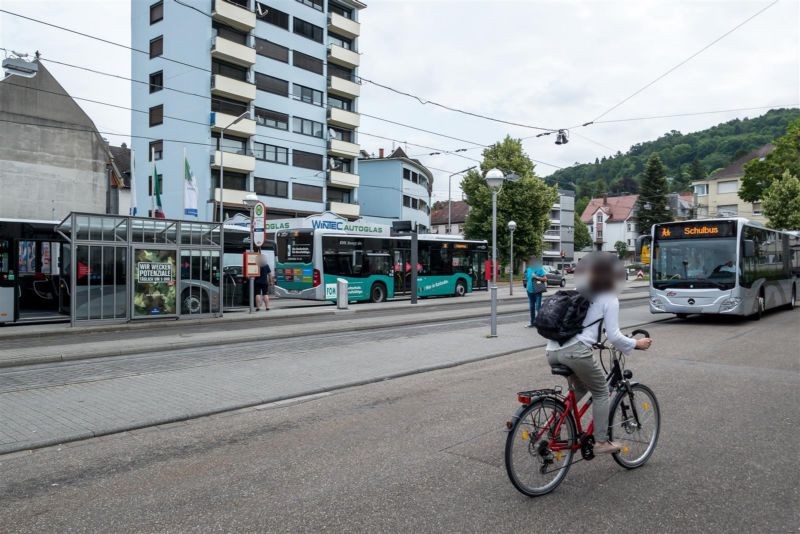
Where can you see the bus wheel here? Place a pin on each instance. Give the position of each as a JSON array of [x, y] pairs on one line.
[[761, 303], [681, 315], [377, 293], [793, 301], [461, 288], [194, 302]]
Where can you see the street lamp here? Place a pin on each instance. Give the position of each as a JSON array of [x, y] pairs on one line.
[[449, 198], [250, 201], [511, 227], [495, 179], [221, 212]]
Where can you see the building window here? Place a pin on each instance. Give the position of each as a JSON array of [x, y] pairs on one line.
[[340, 10], [157, 81], [308, 193], [728, 210], [338, 40], [341, 72], [341, 134], [157, 46], [156, 150], [701, 190], [156, 12], [231, 34], [339, 195], [156, 115], [316, 4], [307, 160], [276, 86], [308, 30], [272, 50], [271, 188], [307, 127], [272, 119], [229, 70], [272, 16], [233, 180], [231, 144], [275, 154], [228, 106], [730, 186], [342, 165], [306, 62], [757, 210], [340, 103], [307, 95]]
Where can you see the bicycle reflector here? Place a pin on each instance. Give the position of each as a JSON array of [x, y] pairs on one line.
[[523, 399]]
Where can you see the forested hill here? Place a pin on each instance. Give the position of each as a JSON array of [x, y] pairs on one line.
[[713, 148]]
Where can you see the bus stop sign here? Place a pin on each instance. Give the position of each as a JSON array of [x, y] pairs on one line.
[[258, 226]]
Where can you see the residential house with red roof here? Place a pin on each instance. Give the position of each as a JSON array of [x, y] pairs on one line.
[[611, 219]]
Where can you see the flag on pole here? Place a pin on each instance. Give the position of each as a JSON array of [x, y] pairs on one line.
[[132, 211], [157, 186], [189, 189]]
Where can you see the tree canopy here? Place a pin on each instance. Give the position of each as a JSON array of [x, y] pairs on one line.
[[652, 203], [782, 203], [582, 236], [527, 201], [760, 173]]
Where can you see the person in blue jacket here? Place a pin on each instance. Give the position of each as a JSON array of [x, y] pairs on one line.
[[533, 274]]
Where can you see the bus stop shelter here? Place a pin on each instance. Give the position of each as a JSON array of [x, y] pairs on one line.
[[125, 268]]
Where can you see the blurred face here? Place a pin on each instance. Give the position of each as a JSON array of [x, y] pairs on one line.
[[534, 261], [599, 273]]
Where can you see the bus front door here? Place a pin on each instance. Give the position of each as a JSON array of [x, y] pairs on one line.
[[479, 270], [402, 271]]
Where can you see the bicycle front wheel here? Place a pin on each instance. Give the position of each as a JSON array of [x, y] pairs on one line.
[[634, 424], [532, 465]]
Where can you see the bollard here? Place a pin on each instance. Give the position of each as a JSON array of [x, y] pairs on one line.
[[341, 294]]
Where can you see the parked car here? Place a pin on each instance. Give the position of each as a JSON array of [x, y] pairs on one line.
[[554, 276], [569, 268]]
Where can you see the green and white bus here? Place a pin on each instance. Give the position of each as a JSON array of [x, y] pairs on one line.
[[722, 266], [309, 261]]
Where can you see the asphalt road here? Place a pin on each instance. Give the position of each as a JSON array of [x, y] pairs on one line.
[[424, 453]]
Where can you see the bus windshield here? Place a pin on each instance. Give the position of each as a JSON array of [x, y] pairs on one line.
[[697, 263], [295, 246]]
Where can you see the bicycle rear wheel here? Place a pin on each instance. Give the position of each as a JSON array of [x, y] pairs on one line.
[[532, 466], [634, 424]]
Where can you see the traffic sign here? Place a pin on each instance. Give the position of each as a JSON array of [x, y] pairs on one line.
[[258, 226]]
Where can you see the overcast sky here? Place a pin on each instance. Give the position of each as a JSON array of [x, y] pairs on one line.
[[552, 64]]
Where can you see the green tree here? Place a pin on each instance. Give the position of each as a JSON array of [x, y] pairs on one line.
[[527, 201], [760, 173], [582, 237], [652, 203], [782, 203], [622, 248]]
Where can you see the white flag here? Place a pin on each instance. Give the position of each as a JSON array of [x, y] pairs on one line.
[[132, 210], [189, 189]]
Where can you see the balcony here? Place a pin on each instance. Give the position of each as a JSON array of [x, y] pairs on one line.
[[234, 161], [231, 196], [342, 118], [233, 15], [344, 209], [343, 179], [337, 147], [231, 88], [232, 52], [343, 26], [243, 128], [341, 87], [552, 235], [551, 253], [342, 56]]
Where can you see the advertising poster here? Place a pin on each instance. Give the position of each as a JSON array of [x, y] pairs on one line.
[[46, 258], [155, 288], [27, 257]]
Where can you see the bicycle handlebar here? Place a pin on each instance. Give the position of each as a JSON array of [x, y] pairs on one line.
[[638, 331]]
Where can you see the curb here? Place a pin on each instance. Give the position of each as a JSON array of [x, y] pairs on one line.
[[86, 435], [249, 338]]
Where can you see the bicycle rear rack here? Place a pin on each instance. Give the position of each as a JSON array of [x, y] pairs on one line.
[[525, 397]]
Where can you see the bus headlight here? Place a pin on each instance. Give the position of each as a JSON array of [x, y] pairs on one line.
[[657, 303], [729, 304]]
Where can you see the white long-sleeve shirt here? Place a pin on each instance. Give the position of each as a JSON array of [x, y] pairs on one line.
[[605, 306]]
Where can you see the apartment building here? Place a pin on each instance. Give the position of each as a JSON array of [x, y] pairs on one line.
[[395, 188], [290, 66], [612, 219], [455, 213], [559, 238], [718, 194]]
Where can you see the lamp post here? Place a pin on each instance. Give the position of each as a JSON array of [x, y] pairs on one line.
[[449, 198], [495, 179], [250, 201], [511, 227], [221, 212]]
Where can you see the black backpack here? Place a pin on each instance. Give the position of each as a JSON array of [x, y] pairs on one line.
[[562, 316]]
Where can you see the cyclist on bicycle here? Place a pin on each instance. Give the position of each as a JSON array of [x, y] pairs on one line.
[[597, 277]]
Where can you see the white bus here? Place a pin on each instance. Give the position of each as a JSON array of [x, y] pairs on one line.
[[722, 266]]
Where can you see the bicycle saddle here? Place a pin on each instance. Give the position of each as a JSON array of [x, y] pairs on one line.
[[561, 370]]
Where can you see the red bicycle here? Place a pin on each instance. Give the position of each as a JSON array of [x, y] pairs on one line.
[[546, 431]]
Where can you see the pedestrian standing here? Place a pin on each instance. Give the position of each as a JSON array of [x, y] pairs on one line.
[[262, 283], [536, 284]]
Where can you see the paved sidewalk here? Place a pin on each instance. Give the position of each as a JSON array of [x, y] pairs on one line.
[[48, 404]]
